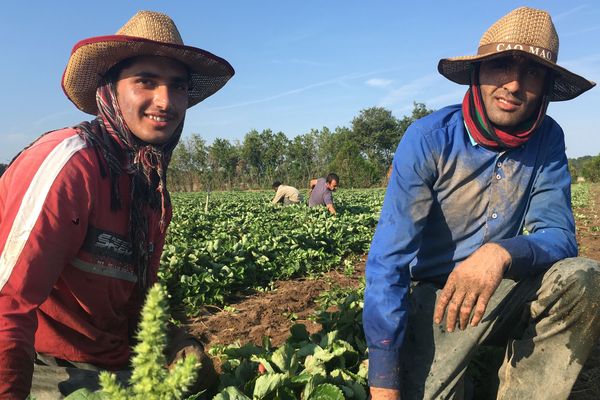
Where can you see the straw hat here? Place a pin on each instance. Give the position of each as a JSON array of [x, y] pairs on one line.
[[146, 33], [524, 31]]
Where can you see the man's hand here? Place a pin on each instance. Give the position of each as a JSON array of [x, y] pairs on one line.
[[331, 208], [471, 285], [190, 349], [182, 345], [384, 394]]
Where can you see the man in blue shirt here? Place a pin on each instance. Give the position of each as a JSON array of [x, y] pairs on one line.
[[477, 232]]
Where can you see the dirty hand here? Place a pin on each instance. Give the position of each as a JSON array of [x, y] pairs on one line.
[[206, 377], [181, 345], [384, 394], [471, 285], [192, 348]]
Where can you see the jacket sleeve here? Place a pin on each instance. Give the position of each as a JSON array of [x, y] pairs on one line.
[[44, 206], [395, 244], [549, 218]]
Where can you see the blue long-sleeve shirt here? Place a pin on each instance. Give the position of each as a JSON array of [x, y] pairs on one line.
[[446, 197]]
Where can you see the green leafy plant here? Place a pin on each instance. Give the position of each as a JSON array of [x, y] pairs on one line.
[[243, 243], [150, 378], [319, 366]]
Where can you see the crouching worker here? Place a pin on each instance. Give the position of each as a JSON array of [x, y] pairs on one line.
[[450, 267], [286, 195], [84, 211]]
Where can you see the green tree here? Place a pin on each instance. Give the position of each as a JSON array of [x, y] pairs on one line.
[[377, 133], [591, 169], [350, 163], [251, 153], [223, 158], [302, 159], [326, 143], [573, 171], [419, 111], [180, 169], [265, 155], [274, 154], [361, 154], [188, 163]]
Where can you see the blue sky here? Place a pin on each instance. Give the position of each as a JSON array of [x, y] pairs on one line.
[[299, 64]]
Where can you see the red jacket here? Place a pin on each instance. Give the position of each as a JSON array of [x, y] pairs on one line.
[[67, 283]]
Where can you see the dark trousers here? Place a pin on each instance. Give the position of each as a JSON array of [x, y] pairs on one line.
[[548, 325]]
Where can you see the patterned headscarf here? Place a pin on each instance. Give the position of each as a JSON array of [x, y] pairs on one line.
[[122, 151]]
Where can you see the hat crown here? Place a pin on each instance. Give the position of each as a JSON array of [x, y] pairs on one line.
[[524, 26], [147, 33], [527, 32], [152, 25]]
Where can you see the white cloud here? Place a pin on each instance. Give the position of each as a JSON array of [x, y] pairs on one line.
[[340, 80], [567, 13], [375, 82], [409, 91]]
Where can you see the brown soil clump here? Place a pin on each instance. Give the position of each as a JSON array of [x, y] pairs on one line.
[[271, 313]]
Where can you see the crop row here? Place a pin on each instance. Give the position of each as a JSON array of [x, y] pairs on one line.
[[237, 241], [328, 365]]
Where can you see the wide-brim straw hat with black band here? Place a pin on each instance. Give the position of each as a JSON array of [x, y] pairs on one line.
[[146, 33], [524, 31]]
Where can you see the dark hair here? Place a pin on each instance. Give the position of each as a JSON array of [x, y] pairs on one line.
[[115, 71], [332, 177], [276, 184]]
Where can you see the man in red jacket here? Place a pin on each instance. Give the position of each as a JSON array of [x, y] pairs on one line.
[[84, 210]]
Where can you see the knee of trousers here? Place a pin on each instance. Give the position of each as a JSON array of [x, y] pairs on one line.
[[579, 280]]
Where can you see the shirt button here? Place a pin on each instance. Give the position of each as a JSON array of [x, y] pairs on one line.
[[499, 164], [498, 176], [494, 215]]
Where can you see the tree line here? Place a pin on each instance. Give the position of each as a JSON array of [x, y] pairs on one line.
[[586, 167], [360, 154]]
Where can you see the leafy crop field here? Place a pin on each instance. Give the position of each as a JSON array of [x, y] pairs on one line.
[[239, 241], [221, 251]]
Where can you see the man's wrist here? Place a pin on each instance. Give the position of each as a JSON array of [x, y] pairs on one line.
[[384, 394], [503, 255]]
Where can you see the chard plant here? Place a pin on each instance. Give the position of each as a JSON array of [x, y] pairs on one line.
[[150, 378], [242, 242], [322, 366]]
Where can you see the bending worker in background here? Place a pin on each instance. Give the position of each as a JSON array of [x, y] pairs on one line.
[[285, 194], [321, 191]]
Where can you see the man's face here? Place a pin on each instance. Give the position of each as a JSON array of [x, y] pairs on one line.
[[332, 185], [512, 89], [153, 96]]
